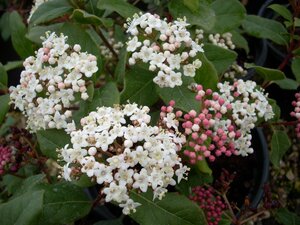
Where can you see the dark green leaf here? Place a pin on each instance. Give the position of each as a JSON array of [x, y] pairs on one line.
[[110, 222], [296, 68], [285, 217], [121, 66], [282, 11], [207, 74], [10, 183], [4, 26], [139, 87], [239, 41], [4, 106], [265, 28], [203, 16], [108, 95], [64, 203], [182, 95], [287, 84], [173, 209], [280, 143], [18, 30], [296, 22], [28, 184], [50, 10], [220, 57], [3, 77], [193, 5], [4, 128], [84, 17], [13, 65], [229, 15], [35, 33], [276, 110], [121, 7], [51, 140], [23, 210], [267, 74]]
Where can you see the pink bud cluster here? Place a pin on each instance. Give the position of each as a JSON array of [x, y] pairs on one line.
[[211, 132], [211, 204], [296, 113], [7, 160]]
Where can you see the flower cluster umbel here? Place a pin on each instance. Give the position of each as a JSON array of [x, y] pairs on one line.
[[166, 47], [223, 127], [50, 83], [118, 149]]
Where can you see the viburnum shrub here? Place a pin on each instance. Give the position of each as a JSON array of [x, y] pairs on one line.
[[130, 107]]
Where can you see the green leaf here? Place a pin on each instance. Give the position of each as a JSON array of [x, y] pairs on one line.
[[5, 29], [193, 5], [3, 76], [18, 30], [182, 95], [287, 84], [280, 143], [282, 11], [265, 28], [28, 184], [108, 95], [285, 217], [64, 203], [110, 222], [35, 33], [267, 74], [276, 110], [50, 140], [207, 74], [239, 41], [50, 10], [220, 57], [90, 91], [121, 7], [4, 128], [23, 210], [10, 183], [119, 73], [4, 106], [139, 87], [296, 68], [229, 15], [202, 16], [173, 209], [296, 22], [13, 65], [203, 167], [84, 17]]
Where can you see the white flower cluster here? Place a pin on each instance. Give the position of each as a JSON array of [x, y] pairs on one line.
[[115, 45], [235, 71], [166, 47], [36, 4], [120, 150], [51, 83], [249, 103], [222, 40]]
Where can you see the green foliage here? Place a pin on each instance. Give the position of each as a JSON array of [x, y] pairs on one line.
[[207, 74], [50, 10], [280, 143], [50, 140], [282, 11], [173, 209], [84, 17], [5, 30], [220, 57], [139, 87], [276, 110], [23, 210], [239, 41], [265, 28], [35, 33], [4, 106], [267, 74], [121, 7], [287, 83], [229, 15], [13, 65], [3, 77], [296, 68], [182, 95], [18, 30], [285, 217], [201, 15]]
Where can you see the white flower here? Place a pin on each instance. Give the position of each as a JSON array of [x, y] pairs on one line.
[[133, 44]]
